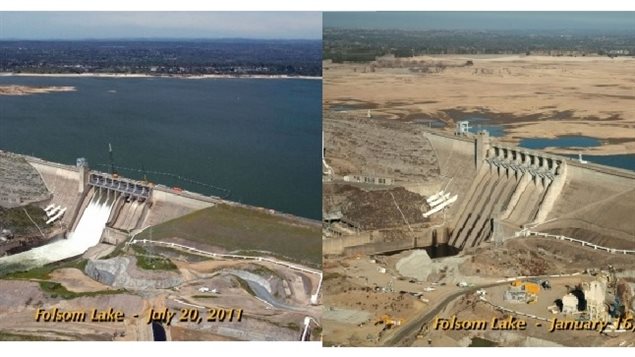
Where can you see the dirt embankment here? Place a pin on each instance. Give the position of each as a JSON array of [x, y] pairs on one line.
[[538, 256], [377, 148]]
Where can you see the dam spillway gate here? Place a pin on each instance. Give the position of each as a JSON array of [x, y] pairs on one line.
[[127, 188], [133, 199]]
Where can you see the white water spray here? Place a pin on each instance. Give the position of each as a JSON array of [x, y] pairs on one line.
[[86, 234]]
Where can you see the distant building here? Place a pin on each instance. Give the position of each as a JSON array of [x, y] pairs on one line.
[[369, 179], [462, 127], [619, 52], [569, 304]]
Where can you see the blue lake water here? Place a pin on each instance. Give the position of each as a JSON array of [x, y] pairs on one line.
[[626, 161], [493, 129], [259, 138], [566, 141], [481, 123]]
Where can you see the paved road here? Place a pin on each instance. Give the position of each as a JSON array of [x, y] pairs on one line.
[[403, 335]]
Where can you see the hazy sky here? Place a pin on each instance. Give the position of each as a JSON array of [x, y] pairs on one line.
[[104, 25], [607, 21]]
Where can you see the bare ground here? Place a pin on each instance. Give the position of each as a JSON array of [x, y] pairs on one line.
[[538, 256], [533, 96], [375, 209]]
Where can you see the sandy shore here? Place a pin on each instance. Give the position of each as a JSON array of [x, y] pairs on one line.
[[126, 75], [16, 90], [530, 96]]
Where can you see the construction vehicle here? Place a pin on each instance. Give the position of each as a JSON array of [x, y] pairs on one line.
[[388, 322]]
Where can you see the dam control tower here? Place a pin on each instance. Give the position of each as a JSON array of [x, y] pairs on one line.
[[482, 143], [82, 167]]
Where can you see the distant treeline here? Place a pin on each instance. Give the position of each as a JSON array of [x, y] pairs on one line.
[[365, 45], [191, 57]]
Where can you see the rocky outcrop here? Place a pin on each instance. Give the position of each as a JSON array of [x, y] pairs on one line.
[[245, 275], [122, 272]]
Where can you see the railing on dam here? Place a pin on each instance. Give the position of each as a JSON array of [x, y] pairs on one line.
[[528, 233], [121, 185]]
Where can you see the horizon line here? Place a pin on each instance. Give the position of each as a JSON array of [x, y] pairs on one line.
[[164, 39], [628, 30]]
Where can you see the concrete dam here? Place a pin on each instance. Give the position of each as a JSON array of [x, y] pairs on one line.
[[500, 190], [101, 208], [512, 186], [503, 189]]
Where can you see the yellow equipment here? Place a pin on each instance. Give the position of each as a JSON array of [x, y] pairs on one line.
[[388, 321], [529, 287]]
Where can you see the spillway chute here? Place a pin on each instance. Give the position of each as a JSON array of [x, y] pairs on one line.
[[87, 233]]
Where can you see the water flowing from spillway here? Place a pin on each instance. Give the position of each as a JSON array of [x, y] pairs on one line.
[[86, 234]]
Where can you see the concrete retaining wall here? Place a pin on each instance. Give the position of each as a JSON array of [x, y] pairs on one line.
[[63, 182], [337, 245], [368, 243], [167, 205], [379, 248], [597, 194], [113, 236], [456, 157]]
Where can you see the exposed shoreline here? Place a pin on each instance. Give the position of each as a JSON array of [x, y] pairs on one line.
[[516, 126], [141, 75], [527, 96], [20, 90]]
